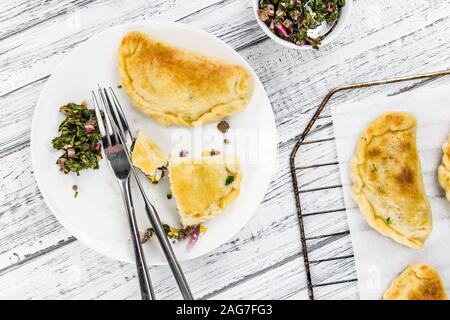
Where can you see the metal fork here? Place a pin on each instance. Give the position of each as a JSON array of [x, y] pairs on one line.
[[118, 160], [124, 131]]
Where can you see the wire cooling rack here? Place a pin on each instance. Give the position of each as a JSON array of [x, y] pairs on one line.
[[295, 169]]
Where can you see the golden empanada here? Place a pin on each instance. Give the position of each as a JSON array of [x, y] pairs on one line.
[[387, 180], [147, 156], [444, 169], [203, 187], [179, 87], [417, 282]]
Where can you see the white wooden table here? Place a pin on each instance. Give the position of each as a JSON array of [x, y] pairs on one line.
[[40, 259]]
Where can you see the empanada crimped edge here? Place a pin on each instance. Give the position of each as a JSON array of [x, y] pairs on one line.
[[378, 127]]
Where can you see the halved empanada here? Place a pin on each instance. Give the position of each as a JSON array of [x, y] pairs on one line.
[[204, 187], [179, 87], [444, 169], [148, 157], [417, 282], [387, 180]]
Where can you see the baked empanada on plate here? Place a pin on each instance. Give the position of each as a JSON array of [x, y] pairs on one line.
[[148, 157], [444, 169], [387, 180], [176, 86], [204, 187], [417, 282]]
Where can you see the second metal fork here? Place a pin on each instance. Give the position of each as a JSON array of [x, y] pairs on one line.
[[119, 119], [117, 157]]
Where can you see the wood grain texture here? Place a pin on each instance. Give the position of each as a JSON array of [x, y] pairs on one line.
[[40, 259]]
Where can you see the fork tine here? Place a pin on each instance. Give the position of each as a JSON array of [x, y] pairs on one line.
[[122, 117], [109, 124], [98, 115], [115, 115]]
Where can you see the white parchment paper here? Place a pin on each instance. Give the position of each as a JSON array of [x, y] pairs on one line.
[[378, 259]]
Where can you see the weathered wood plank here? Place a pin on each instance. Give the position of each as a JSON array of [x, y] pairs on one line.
[[280, 282], [330, 247], [27, 226], [16, 16], [68, 29], [345, 291], [80, 273], [320, 65], [16, 114], [286, 220], [326, 223]]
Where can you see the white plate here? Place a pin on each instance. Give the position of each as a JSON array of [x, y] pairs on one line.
[[96, 217]]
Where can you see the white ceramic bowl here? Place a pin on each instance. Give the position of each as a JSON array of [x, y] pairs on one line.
[[340, 24]]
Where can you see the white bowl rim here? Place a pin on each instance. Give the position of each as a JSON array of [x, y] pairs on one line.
[[340, 25]]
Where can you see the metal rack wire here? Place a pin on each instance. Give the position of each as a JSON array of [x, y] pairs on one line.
[[295, 169]]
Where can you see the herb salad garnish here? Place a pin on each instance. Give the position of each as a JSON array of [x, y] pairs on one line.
[[291, 19], [79, 139]]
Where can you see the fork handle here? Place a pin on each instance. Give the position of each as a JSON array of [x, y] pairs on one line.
[[167, 249], [153, 216], [142, 269]]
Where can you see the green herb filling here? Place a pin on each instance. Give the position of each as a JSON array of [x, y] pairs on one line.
[[229, 180], [291, 19], [79, 139]]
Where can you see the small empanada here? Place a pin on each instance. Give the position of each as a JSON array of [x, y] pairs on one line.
[[444, 169], [204, 187], [387, 180], [176, 86], [147, 156], [417, 282]]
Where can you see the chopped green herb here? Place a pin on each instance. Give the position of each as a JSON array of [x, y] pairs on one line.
[[79, 139], [292, 19], [229, 180], [166, 228], [169, 196], [389, 220]]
